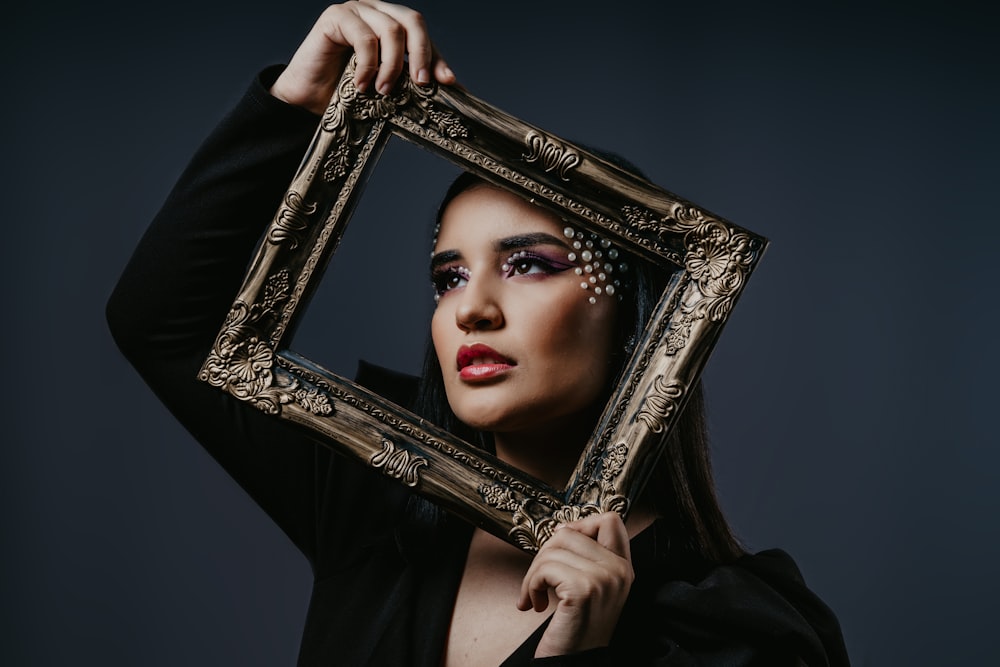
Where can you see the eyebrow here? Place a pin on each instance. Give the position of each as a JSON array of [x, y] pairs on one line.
[[507, 244], [444, 257], [526, 241]]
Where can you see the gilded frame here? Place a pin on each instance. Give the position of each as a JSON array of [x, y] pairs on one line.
[[711, 260]]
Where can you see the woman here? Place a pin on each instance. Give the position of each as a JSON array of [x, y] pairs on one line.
[[524, 353]]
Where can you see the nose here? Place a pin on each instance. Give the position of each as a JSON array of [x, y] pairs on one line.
[[478, 309]]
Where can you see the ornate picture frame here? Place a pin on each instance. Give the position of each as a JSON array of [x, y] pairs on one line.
[[710, 260]]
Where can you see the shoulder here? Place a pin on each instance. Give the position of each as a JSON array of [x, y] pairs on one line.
[[757, 608]]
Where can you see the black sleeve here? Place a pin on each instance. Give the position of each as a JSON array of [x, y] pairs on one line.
[[173, 296]]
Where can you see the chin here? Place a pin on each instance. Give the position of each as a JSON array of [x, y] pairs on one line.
[[512, 411], [489, 419], [512, 419], [484, 414]]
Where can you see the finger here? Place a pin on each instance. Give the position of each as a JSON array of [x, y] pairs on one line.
[[425, 62], [536, 585], [607, 529], [587, 554], [341, 26], [442, 72], [529, 596], [573, 557], [532, 599], [419, 49], [569, 576], [586, 557], [389, 47], [392, 51]]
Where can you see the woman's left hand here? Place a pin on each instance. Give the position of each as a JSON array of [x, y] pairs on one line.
[[587, 566]]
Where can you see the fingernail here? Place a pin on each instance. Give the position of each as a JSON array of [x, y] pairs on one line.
[[360, 85], [448, 72], [384, 88], [423, 76]]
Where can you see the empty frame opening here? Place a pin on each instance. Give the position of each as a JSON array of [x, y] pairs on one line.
[[374, 301]]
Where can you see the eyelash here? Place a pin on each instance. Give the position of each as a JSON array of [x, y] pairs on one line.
[[524, 257], [444, 278]]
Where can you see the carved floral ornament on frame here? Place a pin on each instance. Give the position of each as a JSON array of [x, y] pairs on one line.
[[709, 258]]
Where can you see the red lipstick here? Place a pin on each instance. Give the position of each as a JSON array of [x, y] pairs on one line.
[[481, 362]]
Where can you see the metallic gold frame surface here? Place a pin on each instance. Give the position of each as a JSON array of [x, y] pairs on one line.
[[710, 258]]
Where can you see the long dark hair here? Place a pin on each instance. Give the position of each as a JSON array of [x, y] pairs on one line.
[[681, 488]]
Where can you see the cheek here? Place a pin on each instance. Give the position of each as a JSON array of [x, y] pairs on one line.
[[575, 326]]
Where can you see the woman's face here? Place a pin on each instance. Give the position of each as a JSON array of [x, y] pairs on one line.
[[520, 344]]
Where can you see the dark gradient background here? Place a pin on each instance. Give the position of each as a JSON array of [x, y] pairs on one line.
[[852, 396]]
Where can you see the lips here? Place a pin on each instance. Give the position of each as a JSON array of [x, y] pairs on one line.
[[478, 362]]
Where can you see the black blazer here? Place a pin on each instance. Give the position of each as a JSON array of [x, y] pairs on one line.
[[386, 570]]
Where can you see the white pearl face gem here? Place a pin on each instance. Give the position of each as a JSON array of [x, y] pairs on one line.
[[597, 255]]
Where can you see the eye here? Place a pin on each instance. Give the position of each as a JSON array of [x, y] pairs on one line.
[[524, 263], [526, 266], [448, 278]]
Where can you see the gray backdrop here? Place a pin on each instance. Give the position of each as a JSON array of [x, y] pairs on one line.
[[851, 397]]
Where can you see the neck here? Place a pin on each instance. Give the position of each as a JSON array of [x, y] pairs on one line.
[[549, 454]]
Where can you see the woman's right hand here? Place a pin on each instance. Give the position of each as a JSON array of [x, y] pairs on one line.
[[380, 33]]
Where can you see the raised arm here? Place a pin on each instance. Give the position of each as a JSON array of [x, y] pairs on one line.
[[174, 293]]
